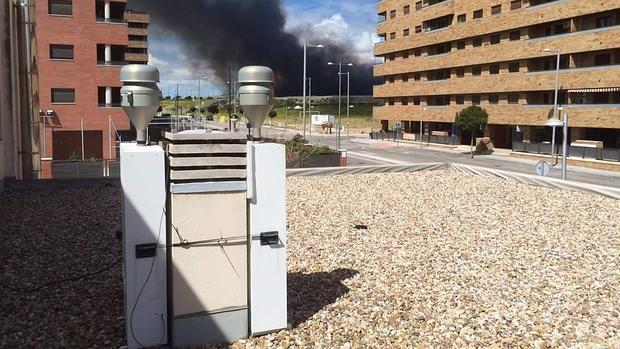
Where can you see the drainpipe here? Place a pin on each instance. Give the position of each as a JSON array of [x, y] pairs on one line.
[[15, 84], [31, 162]]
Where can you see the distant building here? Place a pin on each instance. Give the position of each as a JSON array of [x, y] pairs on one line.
[[19, 110], [81, 48], [440, 56]]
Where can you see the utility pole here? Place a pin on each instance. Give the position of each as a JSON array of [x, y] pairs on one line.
[[229, 99]]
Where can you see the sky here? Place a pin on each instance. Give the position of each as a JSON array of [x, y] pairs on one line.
[[348, 21]]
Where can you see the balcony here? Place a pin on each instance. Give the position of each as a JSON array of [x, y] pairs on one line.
[[136, 57], [137, 31], [134, 16], [138, 44]]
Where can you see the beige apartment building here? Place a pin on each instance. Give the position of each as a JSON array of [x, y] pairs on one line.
[[440, 56]]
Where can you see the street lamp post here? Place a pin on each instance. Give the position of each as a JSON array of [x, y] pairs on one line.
[[200, 94], [348, 124], [421, 131], [306, 45], [564, 124], [339, 98], [555, 99]]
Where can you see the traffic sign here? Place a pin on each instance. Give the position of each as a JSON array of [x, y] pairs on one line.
[[543, 168]]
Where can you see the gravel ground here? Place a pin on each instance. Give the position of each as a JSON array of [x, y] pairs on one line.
[[54, 234], [448, 261]]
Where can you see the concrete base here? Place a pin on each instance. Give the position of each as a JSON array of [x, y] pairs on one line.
[[215, 328]]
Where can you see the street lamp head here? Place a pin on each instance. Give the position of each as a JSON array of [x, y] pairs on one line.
[[319, 46], [553, 122], [331, 63], [297, 107], [350, 64], [351, 106]]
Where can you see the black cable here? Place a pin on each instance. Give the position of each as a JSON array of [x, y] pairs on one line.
[[73, 278], [133, 309]]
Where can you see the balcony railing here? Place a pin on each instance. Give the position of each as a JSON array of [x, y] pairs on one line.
[[111, 63], [110, 20], [110, 105]]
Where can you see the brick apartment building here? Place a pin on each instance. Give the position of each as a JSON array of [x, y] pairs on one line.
[[440, 56], [81, 47]]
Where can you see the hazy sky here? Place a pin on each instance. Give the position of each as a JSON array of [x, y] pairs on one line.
[[349, 21]]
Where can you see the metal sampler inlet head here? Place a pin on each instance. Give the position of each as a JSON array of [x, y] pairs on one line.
[[256, 96], [140, 96]]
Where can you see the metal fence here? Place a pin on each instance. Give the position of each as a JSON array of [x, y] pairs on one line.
[[86, 169], [608, 154], [393, 136]]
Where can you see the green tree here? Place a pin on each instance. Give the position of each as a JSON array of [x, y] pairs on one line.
[[213, 108], [472, 119], [272, 114]]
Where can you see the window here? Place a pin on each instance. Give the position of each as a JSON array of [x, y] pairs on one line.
[[494, 69], [461, 18], [405, 54], [497, 9], [477, 42], [416, 100], [393, 36], [460, 100], [478, 14], [417, 52], [63, 95], [391, 79], [604, 21], [418, 28], [418, 5], [393, 14], [513, 67], [61, 51], [406, 10], [602, 59], [475, 99], [460, 45], [406, 32], [515, 35], [476, 71], [405, 77], [391, 101], [495, 39], [460, 72], [515, 4], [493, 99], [404, 101], [417, 76], [513, 98], [60, 7]]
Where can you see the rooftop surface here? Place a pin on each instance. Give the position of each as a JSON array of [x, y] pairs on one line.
[[447, 260]]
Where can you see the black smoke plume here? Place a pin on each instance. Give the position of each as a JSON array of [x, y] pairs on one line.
[[217, 34]]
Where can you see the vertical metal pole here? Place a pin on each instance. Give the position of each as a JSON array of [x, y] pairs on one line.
[[555, 102], [348, 104], [229, 100], [199, 98], [303, 102], [110, 136], [310, 105], [339, 102], [82, 136], [176, 106], [43, 141], [565, 146], [421, 117]]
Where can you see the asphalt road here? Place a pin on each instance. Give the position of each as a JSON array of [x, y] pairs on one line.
[[362, 152]]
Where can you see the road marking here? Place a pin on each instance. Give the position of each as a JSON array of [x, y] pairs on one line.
[[377, 158]]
